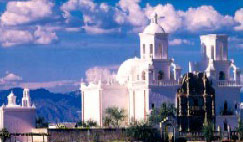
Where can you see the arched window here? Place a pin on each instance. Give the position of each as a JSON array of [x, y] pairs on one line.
[[221, 75], [143, 48], [152, 106], [160, 75], [236, 106], [151, 48], [225, 106], [160, 50], [212, 52], [143, 75], [225, 125]]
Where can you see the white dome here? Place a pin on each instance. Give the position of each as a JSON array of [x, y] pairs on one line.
[[153, 28], [129, 69]]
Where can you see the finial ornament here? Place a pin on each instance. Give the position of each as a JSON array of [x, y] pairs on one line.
[[154, 18]]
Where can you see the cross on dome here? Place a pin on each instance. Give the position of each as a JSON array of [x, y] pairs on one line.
[[154, 27], [154, 18]]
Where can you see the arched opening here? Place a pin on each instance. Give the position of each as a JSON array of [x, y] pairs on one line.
[[143, 75], [160, 51], [152, 106], [225, 125], [212, 52], [160, 75], [225, 106], [231, 73], [143, 48], [236, 106], [151, 48], [221, 75], [168, 129]]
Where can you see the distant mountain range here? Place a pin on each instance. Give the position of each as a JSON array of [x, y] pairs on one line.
[[54, 107]]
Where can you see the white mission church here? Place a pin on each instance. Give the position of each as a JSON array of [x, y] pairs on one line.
[[146, 82]]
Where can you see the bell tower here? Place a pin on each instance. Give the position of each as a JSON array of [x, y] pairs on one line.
[[26, 101], [154, 41], [214, 46]]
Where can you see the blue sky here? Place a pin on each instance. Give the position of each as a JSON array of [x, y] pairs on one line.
[[51, 43]]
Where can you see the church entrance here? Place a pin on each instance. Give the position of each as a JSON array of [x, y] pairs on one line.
[[168, 129]]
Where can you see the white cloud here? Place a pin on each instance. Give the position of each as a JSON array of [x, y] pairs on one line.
[[236, 42], [239, 19], [14, 37], [97, 30], [44, 36], [11, 77], [19, 12], [128, 15], [171, 21], [131, 12], [11, 80], [179, 42], [100, 73], [96, 18], [205, 17], [51, 85]]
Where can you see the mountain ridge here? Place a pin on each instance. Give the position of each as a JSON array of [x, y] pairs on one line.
[[54, 107]]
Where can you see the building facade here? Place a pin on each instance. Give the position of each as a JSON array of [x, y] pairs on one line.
[[225, 77], [195, 102], [146, 82], [140, 83], [18, 118]]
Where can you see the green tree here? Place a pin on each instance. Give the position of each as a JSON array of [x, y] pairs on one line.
[[41, 123], [159, 114], [208, 131], [240, 130], [114, 116], [143, 132], [89, 123], [4, 134]]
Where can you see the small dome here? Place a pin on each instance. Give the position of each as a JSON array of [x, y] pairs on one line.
[[129, 69], [153, 27], [11, 95]]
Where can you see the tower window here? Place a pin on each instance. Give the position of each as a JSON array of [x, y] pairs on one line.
[[143, 48], [212, 52], [143, 75], [160, 50], [221, 75], [160, 75], [225, 125], [151, 48], [152, 106]]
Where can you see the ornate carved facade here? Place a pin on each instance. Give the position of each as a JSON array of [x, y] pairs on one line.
[[195, 102]]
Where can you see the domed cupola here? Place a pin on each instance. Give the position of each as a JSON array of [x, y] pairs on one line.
[[11, 99], [154, 41], [153, 27]]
